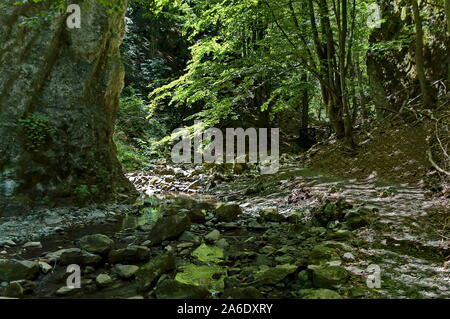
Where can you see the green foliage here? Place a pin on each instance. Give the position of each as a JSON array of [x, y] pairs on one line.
[[136, 133], [37, 130], [85, 192], [248, 58], [154, 51]]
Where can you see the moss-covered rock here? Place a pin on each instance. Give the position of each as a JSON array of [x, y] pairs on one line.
[[12, 269], [329, 277], [228, 212], [321, 254], [149, 273], [173, 289], [169, 227], [319, 294], [129, 254], [272, 215], [271, 275], [97, 243]]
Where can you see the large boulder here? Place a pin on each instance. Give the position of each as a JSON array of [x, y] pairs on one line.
[[129, 254], [272, 215], [169, 227], [126, 271], [12, 270], [59, 92], [77, 256], [329, 277], [322, 254], [97, 244], [271, 275], [228, 212], [149, 273]]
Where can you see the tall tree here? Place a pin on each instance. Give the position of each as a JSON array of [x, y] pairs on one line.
[[420, 60], [447, 13]]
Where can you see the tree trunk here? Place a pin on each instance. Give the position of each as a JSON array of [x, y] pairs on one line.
[[305, 104], [420, 64], [447, 13], [59, 91]]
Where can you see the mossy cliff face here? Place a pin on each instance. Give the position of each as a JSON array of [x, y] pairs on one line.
[[392, 54], [59, 91]]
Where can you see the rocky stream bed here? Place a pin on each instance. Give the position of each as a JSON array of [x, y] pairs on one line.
[[227, 232]]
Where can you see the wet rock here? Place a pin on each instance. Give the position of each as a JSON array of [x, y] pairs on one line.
[[9, 243], [222, 243], [66, 291], [77, 256], [45, 267], [96, 244], [130, 254], [213, 236], [14, 290], [270, 275], [103, 280], [196, 215], [51, 218], [189, 236], [255, 225], [185, 245], [88, 270], [185, 252], [242, 293], [173, 289], [230, 225], [169, 227], [12, 269], [147, 274], [319, 294], [32, 245], [228, 212], [272, 215], [126, 271], [325, 276]]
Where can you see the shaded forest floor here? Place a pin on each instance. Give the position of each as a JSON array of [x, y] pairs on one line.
[[396, 154]]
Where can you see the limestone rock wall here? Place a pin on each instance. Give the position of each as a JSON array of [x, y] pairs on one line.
[[59, 91]]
